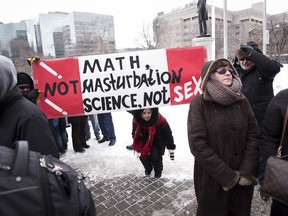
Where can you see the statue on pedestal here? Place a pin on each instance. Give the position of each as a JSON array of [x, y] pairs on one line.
[[202, 17]]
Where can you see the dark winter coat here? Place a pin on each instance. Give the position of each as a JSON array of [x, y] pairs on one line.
[[19, 118], [273, 124], [223, 140], [22, 120], [257, 82], [77, 119]]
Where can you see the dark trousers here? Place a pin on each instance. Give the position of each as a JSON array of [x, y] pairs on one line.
[[78, 135], [278, 208], [153, 160]]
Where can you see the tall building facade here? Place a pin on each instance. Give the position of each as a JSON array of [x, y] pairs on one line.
[[61, 34], [9, 32], [179, 27]]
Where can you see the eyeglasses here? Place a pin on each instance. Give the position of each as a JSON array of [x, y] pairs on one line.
[[243, 59], [22, 87], [222, 70]]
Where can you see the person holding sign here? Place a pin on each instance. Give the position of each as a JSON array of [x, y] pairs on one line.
[[224, 138], [152, 134], [26, 86]]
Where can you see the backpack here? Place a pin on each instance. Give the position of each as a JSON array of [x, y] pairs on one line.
[[40, 185]]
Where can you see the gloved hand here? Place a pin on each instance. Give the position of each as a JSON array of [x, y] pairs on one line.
[[243, 181], [171, 154], [33, 95], [33, 60], [246, 47]]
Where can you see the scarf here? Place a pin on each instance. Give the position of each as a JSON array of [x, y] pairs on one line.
[[144, 146], [224, 95]]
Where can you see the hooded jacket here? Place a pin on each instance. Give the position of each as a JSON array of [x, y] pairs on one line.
[[19, 118], [224, 139], [163, 135]]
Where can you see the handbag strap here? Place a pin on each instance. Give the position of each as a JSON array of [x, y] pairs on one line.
[[283, 133], [20, 166]]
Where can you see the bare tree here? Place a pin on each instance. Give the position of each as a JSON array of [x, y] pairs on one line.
[[146, 40], [278, 37], [154, 36], [162, 32], [20, 52], [94, 39]]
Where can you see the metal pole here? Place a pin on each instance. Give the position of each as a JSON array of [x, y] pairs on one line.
[[213, 30], [225, 42], [264, 28]]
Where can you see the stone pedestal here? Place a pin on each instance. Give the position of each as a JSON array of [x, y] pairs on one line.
[[208, 43]]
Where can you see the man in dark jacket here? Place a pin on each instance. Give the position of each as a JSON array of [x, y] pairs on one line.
[[26, 86], [57, 125], [19, 118], [257, 73]]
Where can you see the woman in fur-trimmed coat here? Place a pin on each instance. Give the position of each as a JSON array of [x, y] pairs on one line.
[[224, 138]]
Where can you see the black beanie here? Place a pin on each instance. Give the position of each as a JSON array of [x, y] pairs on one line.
[[24, 78]]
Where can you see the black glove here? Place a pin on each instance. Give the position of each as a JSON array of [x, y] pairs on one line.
[[246, 47], [33, 95]]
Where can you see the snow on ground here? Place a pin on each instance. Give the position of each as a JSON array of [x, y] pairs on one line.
[[103, 161]]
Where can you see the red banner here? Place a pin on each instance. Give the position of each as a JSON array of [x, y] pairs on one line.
[[119, 81]]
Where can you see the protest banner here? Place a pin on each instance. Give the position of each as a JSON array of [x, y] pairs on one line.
[[120, 81]]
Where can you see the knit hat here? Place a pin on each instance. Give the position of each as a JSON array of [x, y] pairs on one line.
[[24, 78], [254, 45], [242, 54]]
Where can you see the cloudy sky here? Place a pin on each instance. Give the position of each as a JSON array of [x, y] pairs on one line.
[[129, 15]]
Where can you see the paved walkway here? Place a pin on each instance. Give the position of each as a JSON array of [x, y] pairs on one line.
[[137, 195]]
